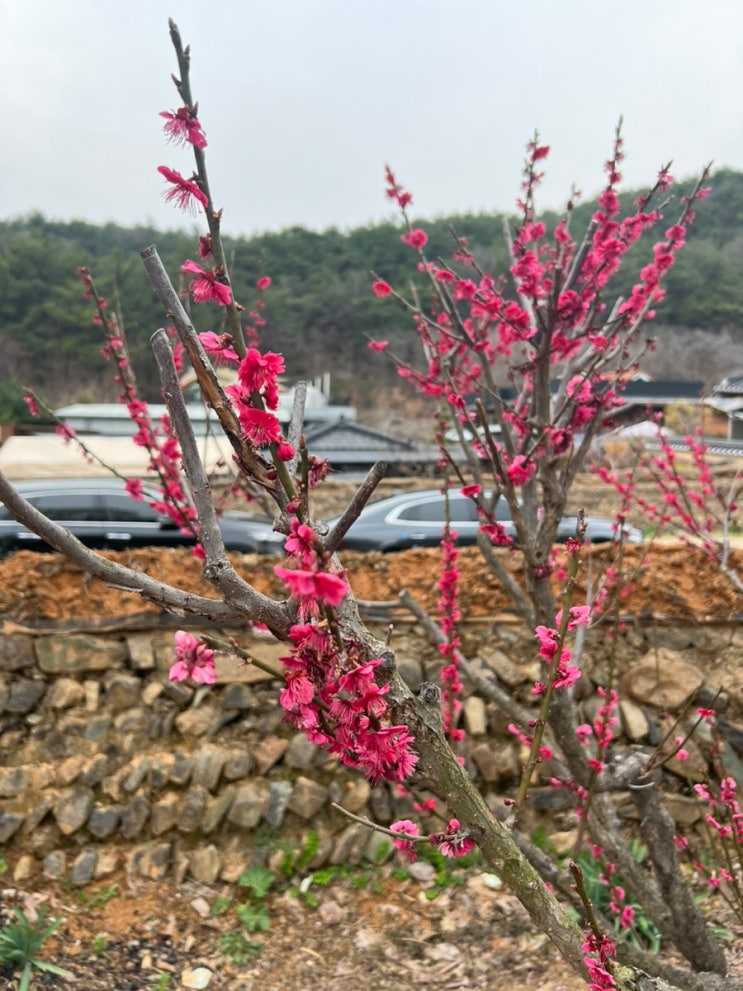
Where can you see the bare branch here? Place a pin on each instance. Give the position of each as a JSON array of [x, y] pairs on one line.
[[658, 829], [351, 513], [296, 424], [218, 569]]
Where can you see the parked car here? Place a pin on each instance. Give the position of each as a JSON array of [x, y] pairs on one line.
[[102, 514], [417, 519]]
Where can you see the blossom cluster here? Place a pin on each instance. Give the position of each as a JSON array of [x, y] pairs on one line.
[[724, 819], [551, 312], [255, 394], [449, 616], [158, 439], [691, 502], [335, 696], [193, 661], [333, 692], [183, 127], [598, 951], [453, 842], [563, 673], [601, 729]]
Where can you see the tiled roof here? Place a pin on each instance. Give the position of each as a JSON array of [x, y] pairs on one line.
[[732, 385]]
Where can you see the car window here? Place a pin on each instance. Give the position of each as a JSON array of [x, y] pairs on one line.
[[434, 511], [79, 506], [502, 511], [123, 508]]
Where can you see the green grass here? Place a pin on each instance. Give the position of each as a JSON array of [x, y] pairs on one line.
[[21, 942]]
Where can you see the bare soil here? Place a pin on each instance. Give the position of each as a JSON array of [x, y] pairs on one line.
[[391, 937], [670, 582]]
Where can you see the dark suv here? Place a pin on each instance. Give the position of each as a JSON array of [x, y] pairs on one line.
[[102, 514], [418, 519]]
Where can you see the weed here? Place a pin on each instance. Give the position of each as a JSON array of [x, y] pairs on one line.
[[100, 943], [324, 877], [21, 941], [309, 850], [296, 860], [541, 839], [239, 949], [99, 897], [258, 880], [310, 898], [382, 852], [450, 873], [161, 982], [3, 864], [642, 932], [254, 918], [220, 905]]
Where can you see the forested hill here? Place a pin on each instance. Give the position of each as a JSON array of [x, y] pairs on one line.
[[320, 308]]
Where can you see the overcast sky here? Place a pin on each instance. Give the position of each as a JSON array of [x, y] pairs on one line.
[[304, 101]]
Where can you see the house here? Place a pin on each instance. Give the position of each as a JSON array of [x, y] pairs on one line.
[[726, 404], [643, 397]]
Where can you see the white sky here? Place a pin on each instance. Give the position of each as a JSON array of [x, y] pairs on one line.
[[304, 101]]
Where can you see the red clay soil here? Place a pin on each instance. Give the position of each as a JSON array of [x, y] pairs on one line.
[[670, 581]]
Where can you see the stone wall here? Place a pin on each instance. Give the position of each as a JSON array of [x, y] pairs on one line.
[[105, 764]]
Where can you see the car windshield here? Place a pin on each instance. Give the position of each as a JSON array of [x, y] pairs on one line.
[[430, 506]]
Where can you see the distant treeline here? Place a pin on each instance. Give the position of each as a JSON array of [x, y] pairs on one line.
[[320, 309]]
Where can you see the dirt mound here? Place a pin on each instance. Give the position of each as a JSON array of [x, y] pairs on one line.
[[669, 581]]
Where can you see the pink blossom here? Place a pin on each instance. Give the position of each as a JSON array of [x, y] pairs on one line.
[[520, 470], [182, 126], [548, 641], [220, 345], [579, 616], [264, 282], [194, 661], [207, 287], [285, 451], [134, 487], [583, 733], [259, 372], [566, 675], [394, 191], [465, 289], [300, 543], [416, 238], [299, 692], [407, 828], [455, 842], [30, 401], [182, 191], [379, 345], [579, 389], [317, 585], [261, 427], [65, 432], [381, 288]]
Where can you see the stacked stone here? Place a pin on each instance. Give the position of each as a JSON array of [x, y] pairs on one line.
[[106, 764]]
